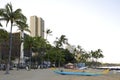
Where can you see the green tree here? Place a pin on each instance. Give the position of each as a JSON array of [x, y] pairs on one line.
[[59, 44], [100, 53], [80, 52], [39, 47], [7, 14], [3, 38], [84, 57], [75, 56], [69, 57], [28, 45], [3, 35], [36, 45], [96, 55], [52, 55]]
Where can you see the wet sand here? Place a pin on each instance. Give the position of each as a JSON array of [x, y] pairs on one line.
[[48, 74]]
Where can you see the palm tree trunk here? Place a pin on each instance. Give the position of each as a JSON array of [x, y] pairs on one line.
[[55, 60], [48, 61], [30, 58], [0, 54], [22, 47], [47, 53], [10, 51], [59, 61]]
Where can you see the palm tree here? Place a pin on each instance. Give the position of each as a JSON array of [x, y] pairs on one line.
[[7, 14], [62, 41], [84, 57], [22, 27], [100, 55], [75, 56], [28, 43], [96, 55], [39, 46], [48, 32], [59, 43], [79, 52]]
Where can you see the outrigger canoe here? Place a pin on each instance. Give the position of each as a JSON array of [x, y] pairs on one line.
[[76, 73]]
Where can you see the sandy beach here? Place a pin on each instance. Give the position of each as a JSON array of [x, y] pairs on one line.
[[48, 74]]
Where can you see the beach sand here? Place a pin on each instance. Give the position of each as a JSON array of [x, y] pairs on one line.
[[48, 74]]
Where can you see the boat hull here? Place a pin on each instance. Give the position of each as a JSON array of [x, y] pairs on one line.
[[76, 73]]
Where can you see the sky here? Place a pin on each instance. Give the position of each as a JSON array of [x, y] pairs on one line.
[[92, 24]]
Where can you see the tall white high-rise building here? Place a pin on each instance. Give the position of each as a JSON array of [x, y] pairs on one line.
[[36, 26]]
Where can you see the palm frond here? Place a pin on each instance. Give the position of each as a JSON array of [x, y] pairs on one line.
[[1, 25], [48, 31], [22, 26], [8, 8], [28, 30], [7, 21], [1, 11], [18, 11]]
